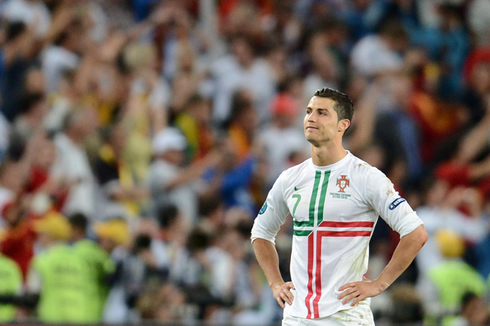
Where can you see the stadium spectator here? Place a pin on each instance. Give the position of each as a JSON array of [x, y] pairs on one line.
[[195, 124], [56, 283], [116, 178], [242, 71], [113, 236], [168, 246], [72, 162], [448, 281], [473, 311], [170, 181], [379, 54], [284, 110], [100, 267], [18, 54]]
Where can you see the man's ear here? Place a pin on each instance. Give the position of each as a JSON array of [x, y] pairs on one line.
[[343, 125]]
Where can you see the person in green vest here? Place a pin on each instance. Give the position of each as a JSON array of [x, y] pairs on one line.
[[58, 275], [10, 284], [452, 279], [99, 263], [60, 281]]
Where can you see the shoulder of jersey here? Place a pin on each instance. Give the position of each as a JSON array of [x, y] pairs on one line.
[[363, 167]]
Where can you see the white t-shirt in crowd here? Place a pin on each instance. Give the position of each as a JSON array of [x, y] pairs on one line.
[[279, 144], [334, 209], [54, 61], [184, 196], [73, 166], [29, 12], [371, 56], [229, 77]]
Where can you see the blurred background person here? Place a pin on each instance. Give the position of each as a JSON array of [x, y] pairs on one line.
[[100, 267], [113, 236], [450, 280], [56, 281]]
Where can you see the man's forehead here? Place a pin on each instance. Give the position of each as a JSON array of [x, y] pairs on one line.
[[317, 102]]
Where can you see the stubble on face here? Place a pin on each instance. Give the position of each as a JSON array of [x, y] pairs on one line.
[[321, 121]]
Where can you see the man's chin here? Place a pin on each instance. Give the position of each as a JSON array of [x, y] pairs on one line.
[[312, 140]]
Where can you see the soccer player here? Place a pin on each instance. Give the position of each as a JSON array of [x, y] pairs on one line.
[[334, 199]]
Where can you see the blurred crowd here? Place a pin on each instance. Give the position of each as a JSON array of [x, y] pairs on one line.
[[138, 138]]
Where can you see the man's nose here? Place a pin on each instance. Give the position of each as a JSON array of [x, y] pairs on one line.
[[311, 116]]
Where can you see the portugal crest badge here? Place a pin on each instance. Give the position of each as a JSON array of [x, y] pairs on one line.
[[342, 182]]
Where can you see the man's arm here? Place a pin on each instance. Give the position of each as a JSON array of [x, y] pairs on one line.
[[405, 252], [266, 254]]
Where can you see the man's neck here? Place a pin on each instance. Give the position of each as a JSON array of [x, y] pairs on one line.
[[74, 137], [327, 154]]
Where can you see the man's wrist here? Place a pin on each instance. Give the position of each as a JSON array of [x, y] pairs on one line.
[[273, 283], [381, 285]]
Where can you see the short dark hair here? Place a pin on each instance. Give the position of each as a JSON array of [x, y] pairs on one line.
[[198, 240], [167, 215], [71, 117], [240, 103], [141, 242], [14, 29], [392, 28], [343, 104], [79, 220], [195, 99], [28, 100], [209, 205]]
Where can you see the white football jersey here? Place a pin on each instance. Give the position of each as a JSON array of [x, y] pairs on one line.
[[334, 209]]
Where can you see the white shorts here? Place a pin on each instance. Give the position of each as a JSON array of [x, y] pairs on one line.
[[360, 315]]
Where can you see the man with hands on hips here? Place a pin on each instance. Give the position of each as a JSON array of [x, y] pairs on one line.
[[335, 200]]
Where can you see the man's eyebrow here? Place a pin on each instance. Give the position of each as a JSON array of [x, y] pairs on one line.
[[309, 107]]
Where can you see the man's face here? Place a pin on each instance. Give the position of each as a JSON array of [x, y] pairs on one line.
[[202, 112], [89, 123], [107, 244], [321, 123], [175, 156], [118, 139]]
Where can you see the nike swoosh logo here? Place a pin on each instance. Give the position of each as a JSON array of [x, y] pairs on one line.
[[298, 188]]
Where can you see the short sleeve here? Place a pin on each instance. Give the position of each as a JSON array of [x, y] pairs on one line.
[[272, 215], [395, 210]]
